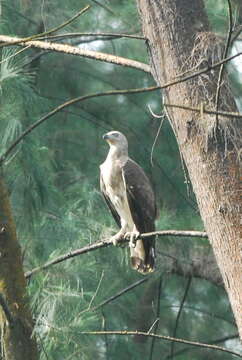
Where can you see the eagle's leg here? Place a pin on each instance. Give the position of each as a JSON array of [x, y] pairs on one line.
[[133, 237]]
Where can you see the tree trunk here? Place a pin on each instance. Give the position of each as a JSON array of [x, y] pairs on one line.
[[178, 39], [18, 342]]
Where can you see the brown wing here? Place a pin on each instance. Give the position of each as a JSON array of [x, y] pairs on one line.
[[140, 195], [109, 203], [142, 205]]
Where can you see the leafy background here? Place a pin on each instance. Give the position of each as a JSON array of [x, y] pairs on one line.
[[53, 178]]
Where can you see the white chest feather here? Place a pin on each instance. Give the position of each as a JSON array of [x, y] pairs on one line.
[[115, 188]]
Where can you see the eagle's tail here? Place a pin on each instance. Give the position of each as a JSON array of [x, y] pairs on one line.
[[143, 256]]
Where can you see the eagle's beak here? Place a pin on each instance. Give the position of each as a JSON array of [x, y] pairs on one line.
[[105, 137]]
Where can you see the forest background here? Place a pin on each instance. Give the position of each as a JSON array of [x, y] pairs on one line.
[[53, 180]]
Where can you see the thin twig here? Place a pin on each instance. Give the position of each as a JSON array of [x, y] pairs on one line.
[[162, 337], [184, 350], [98, 34], [95, 293], [206, 111], [123, 291], [106, 243], [108, 9], [221, 70], [36, 36], [155, 325], [179, 313], [15, 54]]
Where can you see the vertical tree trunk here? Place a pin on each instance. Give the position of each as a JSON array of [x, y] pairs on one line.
[[178, 40], [15, 319]]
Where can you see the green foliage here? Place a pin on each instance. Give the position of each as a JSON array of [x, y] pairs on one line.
[[53, 179]]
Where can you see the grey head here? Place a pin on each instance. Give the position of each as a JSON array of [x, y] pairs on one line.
[[117, 140]]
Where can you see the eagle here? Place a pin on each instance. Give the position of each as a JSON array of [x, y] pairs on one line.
[[131, 200]]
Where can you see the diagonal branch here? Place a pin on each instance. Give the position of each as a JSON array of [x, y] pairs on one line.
[[179, 313], [106, 243], [74, 50], [163, 337], [121, 292]]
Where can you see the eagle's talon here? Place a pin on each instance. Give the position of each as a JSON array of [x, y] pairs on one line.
[[133, 237], [117, 239]]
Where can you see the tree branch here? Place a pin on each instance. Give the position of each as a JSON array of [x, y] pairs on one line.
[[106, 243], [163, 337], [206, 111], [121, 292], [98, 34], [73, 50], [217, 341]]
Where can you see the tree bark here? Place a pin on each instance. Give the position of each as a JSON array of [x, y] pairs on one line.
[[16, 323], [179, 39]]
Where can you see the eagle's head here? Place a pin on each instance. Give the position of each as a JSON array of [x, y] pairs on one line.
[[116, 139]]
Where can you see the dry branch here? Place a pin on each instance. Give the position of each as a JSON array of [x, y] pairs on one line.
[[162, 337], [73, 50]]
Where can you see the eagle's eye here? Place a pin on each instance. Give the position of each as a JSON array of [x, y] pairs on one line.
[[116, 135]]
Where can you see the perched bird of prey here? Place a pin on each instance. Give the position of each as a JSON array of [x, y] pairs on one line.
[[130, 198]]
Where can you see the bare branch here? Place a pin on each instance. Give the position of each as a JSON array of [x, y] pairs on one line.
[[189, 233], [77, 51], [163, 337], [207, 111], [217, 341], [106, 243]]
